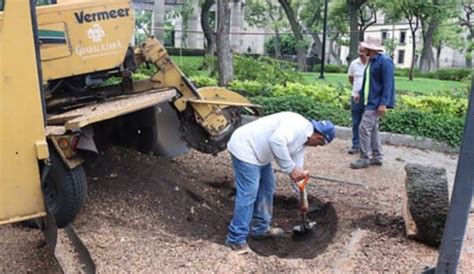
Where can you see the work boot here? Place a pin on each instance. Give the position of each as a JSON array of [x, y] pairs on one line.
[[359, 164], [375, 162], [272, 232], [353, 150], [238, 248]]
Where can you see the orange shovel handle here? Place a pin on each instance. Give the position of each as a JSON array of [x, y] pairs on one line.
[[302, 184]]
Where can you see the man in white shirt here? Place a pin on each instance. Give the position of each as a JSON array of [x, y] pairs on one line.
[[281, 137], [356, 78]]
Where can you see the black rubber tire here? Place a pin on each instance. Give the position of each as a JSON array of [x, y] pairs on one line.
[[65, 191]]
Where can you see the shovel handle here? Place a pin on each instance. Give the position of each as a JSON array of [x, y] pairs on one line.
[[302, 184]]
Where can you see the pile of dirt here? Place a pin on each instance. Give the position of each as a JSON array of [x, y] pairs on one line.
[[191, 205]]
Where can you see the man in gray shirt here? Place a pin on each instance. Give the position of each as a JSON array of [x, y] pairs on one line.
[[281, 137]]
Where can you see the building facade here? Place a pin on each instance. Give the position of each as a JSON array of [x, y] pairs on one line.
[[249, 39], [400, 36]]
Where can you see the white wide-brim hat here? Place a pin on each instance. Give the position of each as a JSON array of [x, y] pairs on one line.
[[372, 43]]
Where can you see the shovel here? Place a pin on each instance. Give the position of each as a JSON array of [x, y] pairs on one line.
[[306, 225]]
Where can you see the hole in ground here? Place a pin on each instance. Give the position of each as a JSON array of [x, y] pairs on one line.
[[306, 246]]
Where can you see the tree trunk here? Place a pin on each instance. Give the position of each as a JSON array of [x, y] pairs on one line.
[[413, 56], [206, 27], [438, 55], [414, 23], [361, 35], [224, 52], [335, 51], [353, 9], [427, 202], [297, 31], [470, 52], [427, 60], [159, 20], [277, 43], [318, 44], [469, 58]]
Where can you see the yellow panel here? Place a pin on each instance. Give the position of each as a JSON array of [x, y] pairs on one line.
[[97, 33], [54, 41], [21, 118]]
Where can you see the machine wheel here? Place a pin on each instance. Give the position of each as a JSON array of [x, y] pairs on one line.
[[197, 137], [65, 191]]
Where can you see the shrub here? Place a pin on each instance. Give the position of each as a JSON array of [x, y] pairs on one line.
[[287, 45], [405, 72], [435, 104], [203, 81], [251, 88], [441, 127], [308, 108], [146, 70], [452, 74], [318, 92], [263, 71], [332, 68], [140, 76]]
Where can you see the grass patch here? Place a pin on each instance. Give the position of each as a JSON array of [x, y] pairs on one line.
[[419, 86], [195, 61]]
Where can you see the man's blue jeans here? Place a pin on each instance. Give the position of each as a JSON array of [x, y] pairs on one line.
[[253, 207], [357, 110]]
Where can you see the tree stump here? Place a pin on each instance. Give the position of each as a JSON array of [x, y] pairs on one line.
[[426, 203]]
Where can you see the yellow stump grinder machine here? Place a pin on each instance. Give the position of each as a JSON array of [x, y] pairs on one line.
[[56, 107]]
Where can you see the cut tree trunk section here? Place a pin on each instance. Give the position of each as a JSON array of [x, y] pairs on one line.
[[426, 203]]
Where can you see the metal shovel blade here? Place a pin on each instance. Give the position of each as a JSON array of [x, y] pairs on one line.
[[305, 226]]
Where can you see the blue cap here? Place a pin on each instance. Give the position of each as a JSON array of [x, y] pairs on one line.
[[326, 128]]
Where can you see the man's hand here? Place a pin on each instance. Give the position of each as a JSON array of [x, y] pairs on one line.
[[298, 174], [381, 110], [356, 98]]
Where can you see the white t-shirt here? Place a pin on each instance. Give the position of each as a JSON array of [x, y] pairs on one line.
[[356, 70], [281, 136]]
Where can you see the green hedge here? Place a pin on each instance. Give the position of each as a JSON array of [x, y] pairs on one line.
[[265, 70], [332, 68], [405, 72], [440, 127], [435, 104], [450, 74], [308, 108], [251, 88], [203, 81]]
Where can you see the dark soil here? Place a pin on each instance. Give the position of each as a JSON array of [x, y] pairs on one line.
[[144, 214], [306, 246], [195, 209]]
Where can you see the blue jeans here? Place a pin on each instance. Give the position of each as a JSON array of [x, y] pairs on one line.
[[253, 207], [357, 110]]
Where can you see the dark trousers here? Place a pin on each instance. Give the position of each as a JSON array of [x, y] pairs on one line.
[[357, 110]]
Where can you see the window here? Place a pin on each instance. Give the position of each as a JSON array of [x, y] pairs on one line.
[[384, 36], [1, 5], [45, 2], [401, 57], [403, 37]]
